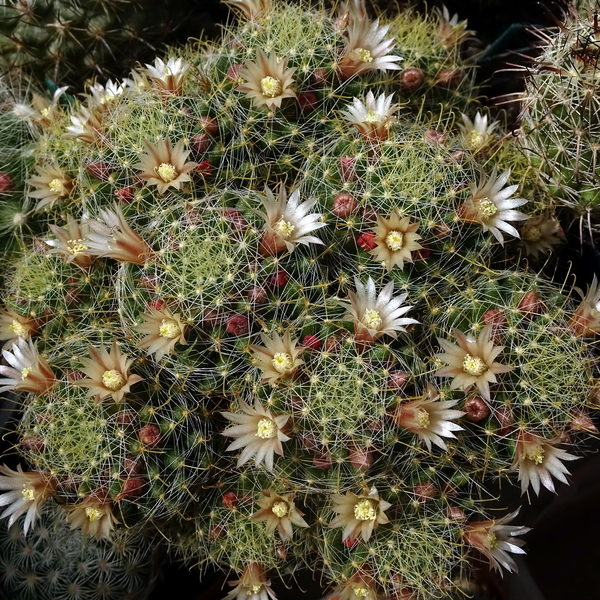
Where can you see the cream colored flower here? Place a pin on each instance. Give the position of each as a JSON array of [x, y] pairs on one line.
[[253, 10], [496, 539], [253, 585], [359, 515], [360, 586], [476, 135], [279, 512], [94, 516], [538, 460], [28, 371], [86, 126], [52, 184], [27, 492], [491, 206], [43, 112], [396, 240], [167, 79], [163, 330], [69, 243], [278, 358], [586, 320], [288, 222], [258, 432], [268, 81], [539, 234], [367, 49], [14, 327], [115, 239], [374, 315], [373, 119], [471, 362], [429, 419], [108, 374], [101, 96], [450, 30], [164, 165]]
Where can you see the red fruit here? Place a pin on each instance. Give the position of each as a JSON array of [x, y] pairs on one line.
[[344, 205], [237, 325], [230, 500], [412, 79], [149, 435], [209, 125], [347, 169], [157, 304], [350, 543], [476, 409], [125, 194], [365, 241], [205, 169], [312, 342], [307, 101], [279, 279], [132, 488], [6, 182]]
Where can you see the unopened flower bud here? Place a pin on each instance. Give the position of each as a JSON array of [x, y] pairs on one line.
[[6, 182], [33, 444], [397, 380], [307, 101], [361, 458], [216, 532], [583, 422], [332, 344], [505, 418], [132, 488], [412, 79], [456, 514], [233, 73], [235, 219], [344, 205], [209, 125], [230, 500], [449, 79], [434, 137], [149, 435], [350, 543], [312, 342], [425, 491], [279, 279], [204, 169], [282, 552], [348, 169], [458, 156], [476, 409], [125, 417], [201, 142], [322, 460], [237, 325], [319, 76], [257, 295], [530, 304], [421, 254], [366, 241], [99, 170]]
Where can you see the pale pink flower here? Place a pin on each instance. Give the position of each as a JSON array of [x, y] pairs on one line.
[[268, 81], [374, 118], [279, 512], [86, 127], [396, 240], [258, 432], [163, 330], [164, 165], [14, 327], [94, 516], [253, 585], [471, 362], [375, 315], [278, 358], [539, 234], [358, 515], [429, 419], [52, 184], [361, 586], [476, 135], [69, 243], [28, 371], [108, 374], [27, 492], [496, 539], [538, 460]]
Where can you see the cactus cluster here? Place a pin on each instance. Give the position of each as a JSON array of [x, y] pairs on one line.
[[257, 305]]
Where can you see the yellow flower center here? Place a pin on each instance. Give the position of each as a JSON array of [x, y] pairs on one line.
[[284, 228], [76, 246], [169, 329], [492, 541], [25, 372], [365, 510], [282, 362], [486, 208], [166, 171], [363, 55], [18, 328], [255, 588], [361, 592], [372, 117], [57, 187], [535, 454], [394, 240], [423, 418], [266, 429], [280, 509], [270, 86], [476, 139], [473, 365], [372, 319], [28, 493], [92, 513], [45, 112], [113, 380], [532, 233]]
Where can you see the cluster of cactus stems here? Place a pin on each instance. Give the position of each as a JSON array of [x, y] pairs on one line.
[[252, 301]]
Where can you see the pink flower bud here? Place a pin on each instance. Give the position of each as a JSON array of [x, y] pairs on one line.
[[397, 380], [99, 170], [312, 342], [505, 419], [201, 142], [125, 194], [412, 79], [309, 441], [361, 458], [348, 169], [476, 409], [233, 73], [344, 205], [449, 79], [237, 325], [279, 279], [230, 500], [235, 219], [149, 435], [530, 304], [434, 137], [209, 125], [457, 156], [425, 491], [322, 460], [365, 241], [6, 182]]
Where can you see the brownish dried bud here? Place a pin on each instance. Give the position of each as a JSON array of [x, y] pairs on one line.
[[476, 409], [132, 464], [233, 73], [307, 102], [348, 169], [216, 532], [209, 125], [309, 441], [412, 79], [201, 142], [257, 295], [237, 325], [594, 396], [344, 205], [497, 319], [282, 552], [457, 156], [361, 458], [319, 77], [132, 488], [455, 514], [531, 305], [434, 137], [322, 460], [583, 422], [125, 417], [99, 170], [6, 182], [425, 491], [149, 435], [397, 380], [230, 500]]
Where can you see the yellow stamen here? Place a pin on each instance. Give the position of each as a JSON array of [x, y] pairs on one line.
[[270, 87], [18, 329], [113, 380], [372, 117], [167, 172], [76, 246], [57, 187], [361, 592], [492, 541], [423, 418], [473, 365], [394, 240], [363, 55], [284, 228], [535, 454], [267, 429], [365, 510], [476, 139], [28, 493], [372, 319], [486, 208], [280, 509], [531, 233], [169, 329], [255, 588], [25, 372], [92, 513], [282, 362]]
